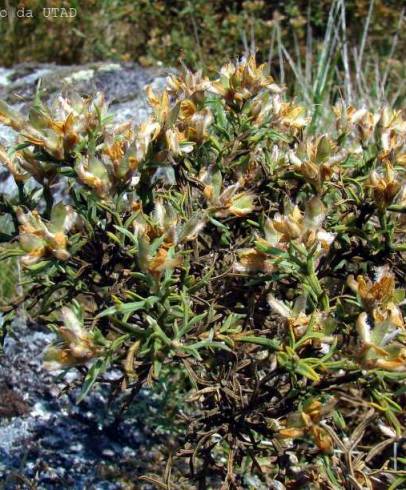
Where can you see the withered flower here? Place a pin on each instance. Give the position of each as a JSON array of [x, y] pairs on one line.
[[188, 84], [77, 345], [384, 186], [38, 239], [299, 321], [379, 345], [243, 80], [374, 294], [305, 228], [306, 422], [317, 160]]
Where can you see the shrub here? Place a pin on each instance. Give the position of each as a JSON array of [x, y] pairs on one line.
[[258, 265]]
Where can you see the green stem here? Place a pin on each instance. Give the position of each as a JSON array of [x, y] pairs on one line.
[[314, 283]]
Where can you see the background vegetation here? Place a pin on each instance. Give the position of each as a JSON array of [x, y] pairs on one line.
[[200, 33]]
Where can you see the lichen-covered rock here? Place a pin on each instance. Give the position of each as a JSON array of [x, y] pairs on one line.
[[49, 439]]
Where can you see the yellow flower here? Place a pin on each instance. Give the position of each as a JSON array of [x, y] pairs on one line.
[[162, 262], [146, 133], [252, 260], [59, 128], [360, 122], [291, 116], [392, 128], [382, 323], [232, 202], [160, 104], [299, 321], [10, 118], [194, 123], [188, 84], [176, 142], [305, 228]]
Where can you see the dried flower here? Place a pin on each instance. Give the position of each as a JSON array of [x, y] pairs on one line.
[[317, 160], [243, 80], [77, 345], [306, 422], [299, 321], [305, 228], [38, 239], [384, 186], [379, 347], [374, 294]]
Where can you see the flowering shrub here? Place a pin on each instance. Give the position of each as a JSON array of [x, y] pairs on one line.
[[220, 240]]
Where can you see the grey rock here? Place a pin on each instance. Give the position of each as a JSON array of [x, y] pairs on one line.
[[120, 82], [59, 443]]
